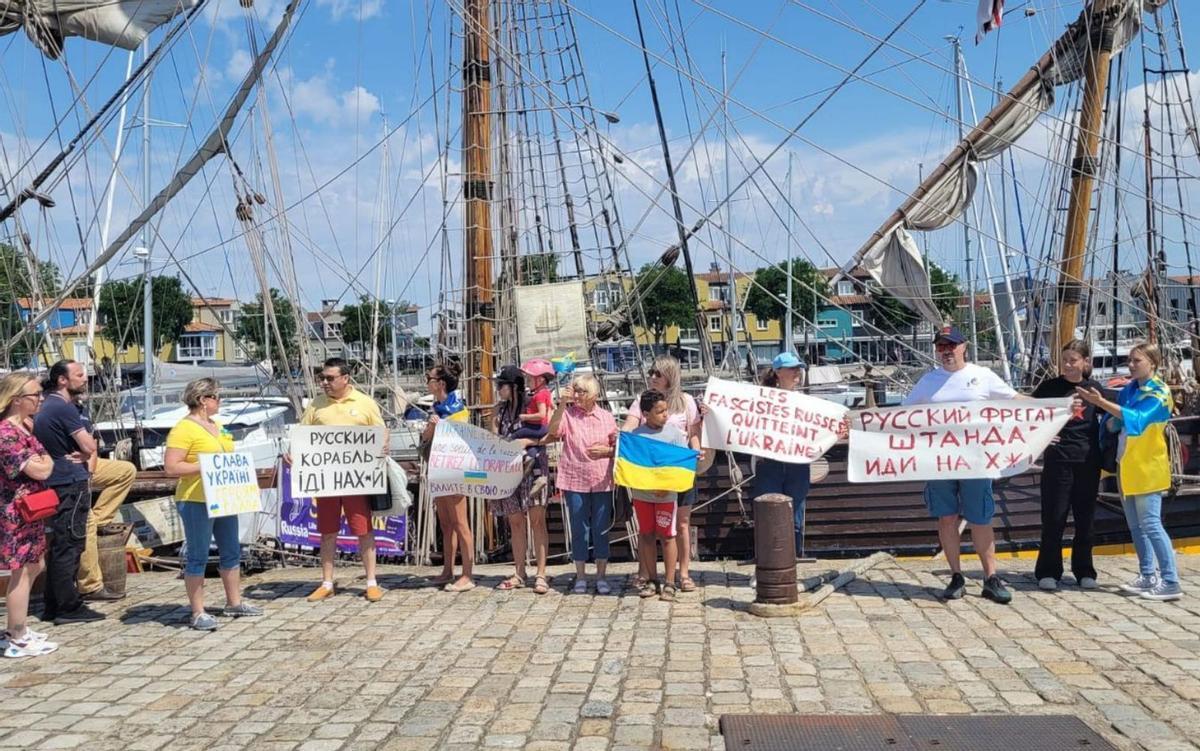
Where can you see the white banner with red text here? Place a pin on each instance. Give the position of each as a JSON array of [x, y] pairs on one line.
[[953, 441], [786, 426]]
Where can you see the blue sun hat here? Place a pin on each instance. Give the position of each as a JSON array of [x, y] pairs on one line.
[[786, 360]]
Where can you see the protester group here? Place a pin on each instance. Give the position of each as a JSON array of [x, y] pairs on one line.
[[47, 444]]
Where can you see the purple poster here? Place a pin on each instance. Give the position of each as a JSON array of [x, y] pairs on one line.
[[298, 524]]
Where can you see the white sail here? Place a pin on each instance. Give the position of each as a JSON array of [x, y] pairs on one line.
[[120, 23]]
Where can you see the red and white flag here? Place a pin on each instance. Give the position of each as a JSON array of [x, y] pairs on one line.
[[989, 16]]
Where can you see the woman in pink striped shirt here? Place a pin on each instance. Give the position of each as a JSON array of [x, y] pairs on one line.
[[588, 433]]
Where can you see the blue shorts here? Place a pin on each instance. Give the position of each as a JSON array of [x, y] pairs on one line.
[[970, 499]]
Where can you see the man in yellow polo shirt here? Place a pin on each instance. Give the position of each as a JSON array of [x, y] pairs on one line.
[[342, 404]]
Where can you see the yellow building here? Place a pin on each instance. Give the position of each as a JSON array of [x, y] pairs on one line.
[[207, 337], [605, 296]]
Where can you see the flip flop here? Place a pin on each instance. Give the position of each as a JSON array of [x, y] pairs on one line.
[[512, 582], [540, 586], [687, 585], [464, 587]]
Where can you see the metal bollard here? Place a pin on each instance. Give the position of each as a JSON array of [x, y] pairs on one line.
[[774, 550]]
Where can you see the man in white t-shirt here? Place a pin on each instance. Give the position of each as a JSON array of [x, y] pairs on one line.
[[960, 381]]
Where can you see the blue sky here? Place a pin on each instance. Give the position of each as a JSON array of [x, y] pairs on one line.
[[351, 64]]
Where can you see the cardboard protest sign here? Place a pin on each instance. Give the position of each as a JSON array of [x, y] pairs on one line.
[[230, 483], [787, 426], [466, 460], [298, 524], [953, 441], [330, 460]]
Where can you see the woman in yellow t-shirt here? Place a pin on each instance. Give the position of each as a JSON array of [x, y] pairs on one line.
[[199, 434]]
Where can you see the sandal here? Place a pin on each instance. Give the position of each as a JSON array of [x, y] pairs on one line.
[[647, 589], [668, 593], [687, 585], [540, 585], [512, 582], [466, 586]]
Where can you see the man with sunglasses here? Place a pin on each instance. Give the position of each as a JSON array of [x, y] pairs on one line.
[[342, 404], [971, 499]]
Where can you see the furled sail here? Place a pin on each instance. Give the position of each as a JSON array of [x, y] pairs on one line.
[[889, 255], [120, 23]]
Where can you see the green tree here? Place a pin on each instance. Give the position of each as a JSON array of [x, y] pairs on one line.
[[539, 268], [666, 299], [769, 290], [358, 320], [253, 334], [122, 304], [947, 294], [14, 285]]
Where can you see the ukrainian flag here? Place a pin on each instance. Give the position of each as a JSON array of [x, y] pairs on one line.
[[646, 464]]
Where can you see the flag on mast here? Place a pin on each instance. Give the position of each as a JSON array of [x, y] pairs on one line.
[[989, 16]]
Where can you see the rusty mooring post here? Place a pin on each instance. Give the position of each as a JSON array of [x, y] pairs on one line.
[[775, 550]]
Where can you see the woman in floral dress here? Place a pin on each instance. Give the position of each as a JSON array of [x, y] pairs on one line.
[[526, 502], [23, 466]]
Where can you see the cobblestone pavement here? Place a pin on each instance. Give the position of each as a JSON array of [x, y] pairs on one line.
[[427, 669]]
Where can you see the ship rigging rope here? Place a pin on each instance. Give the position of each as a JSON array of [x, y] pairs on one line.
[[808, 141]]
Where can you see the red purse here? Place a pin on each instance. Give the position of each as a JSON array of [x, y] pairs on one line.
[[36, 507]]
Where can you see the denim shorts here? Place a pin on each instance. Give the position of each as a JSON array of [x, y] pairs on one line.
[[970, 499], [199, 530], [686, 500]]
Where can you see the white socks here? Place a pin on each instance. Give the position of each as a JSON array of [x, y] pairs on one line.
[[372, 583], [327, 585]]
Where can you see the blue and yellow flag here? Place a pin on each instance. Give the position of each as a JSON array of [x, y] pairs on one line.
[[646, 464]]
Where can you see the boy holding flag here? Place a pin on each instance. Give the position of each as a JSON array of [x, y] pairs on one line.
[[655, 474]]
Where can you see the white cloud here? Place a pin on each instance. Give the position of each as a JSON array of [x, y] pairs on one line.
[[318, 99], [355, 9]]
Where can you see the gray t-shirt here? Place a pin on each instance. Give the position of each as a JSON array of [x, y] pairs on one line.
[[668, 434]]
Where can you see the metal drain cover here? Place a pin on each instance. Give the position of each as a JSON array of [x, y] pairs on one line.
[[909, 733]]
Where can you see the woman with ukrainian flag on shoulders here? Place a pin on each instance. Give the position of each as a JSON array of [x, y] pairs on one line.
[[1139, 417], [448, 404]]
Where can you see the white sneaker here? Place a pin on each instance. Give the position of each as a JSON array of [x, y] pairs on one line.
[[1047, 583], [1088, 582], [28, 647], [580, 587]]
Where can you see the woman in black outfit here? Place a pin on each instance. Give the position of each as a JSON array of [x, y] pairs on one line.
[[1070, 474]]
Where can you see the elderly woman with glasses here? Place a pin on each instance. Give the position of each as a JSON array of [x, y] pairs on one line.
[[196, 434]]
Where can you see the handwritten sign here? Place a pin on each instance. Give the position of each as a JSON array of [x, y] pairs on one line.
[[953, 441], [783, 425], [466, 460], [337, 461], [230, 483], [298, 524]]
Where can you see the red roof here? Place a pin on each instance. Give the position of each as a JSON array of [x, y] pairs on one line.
[[200, 327], [71, 303], [850, 299]]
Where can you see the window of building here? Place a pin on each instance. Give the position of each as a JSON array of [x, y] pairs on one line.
[[845, 288], [196, 347], [333, 330], [827, 323], [718, 293], [227, 315], [1101, 308], [714, 324], [760, 324], [600, 299], [688, 334]]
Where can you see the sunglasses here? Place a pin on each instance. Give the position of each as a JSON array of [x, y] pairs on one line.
[[655, 374], [328, 378], [212, 396]]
